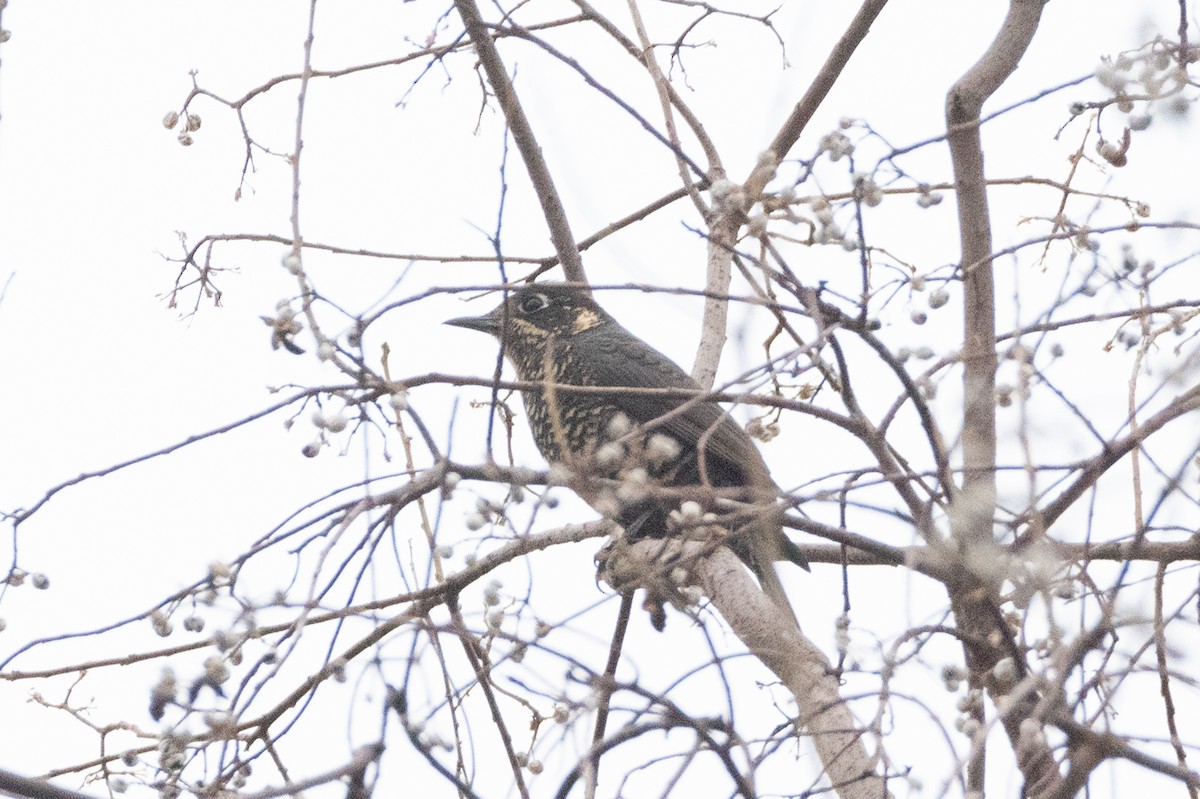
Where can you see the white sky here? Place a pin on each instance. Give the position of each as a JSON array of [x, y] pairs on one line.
[[93, 189]]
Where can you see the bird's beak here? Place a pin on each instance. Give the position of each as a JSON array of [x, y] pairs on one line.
[[489, 323]]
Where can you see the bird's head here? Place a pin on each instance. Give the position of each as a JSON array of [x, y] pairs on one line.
[[537, 312]]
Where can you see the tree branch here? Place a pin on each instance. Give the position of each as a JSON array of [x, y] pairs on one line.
[[531, 152], [974, 508], [776, 639]]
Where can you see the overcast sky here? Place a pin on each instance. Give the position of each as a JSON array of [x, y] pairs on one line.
[[95, 194]]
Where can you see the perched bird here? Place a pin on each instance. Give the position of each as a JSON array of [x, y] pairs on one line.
[[557, 335]]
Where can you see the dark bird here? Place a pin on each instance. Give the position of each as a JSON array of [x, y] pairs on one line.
[[557, 335]]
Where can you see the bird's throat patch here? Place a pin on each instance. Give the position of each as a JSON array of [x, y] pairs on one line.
[[585, 320], [527, 329]]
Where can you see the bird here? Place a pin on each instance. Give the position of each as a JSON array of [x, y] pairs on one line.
[[556, 334]]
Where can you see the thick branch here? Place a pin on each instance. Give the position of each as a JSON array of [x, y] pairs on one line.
[[15, 785], [804, 670], [790, 132], [963, 105], [973, 510], [531, 152], [773, 637]]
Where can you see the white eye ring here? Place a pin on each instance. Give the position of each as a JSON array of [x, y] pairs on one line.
[[532, 302]]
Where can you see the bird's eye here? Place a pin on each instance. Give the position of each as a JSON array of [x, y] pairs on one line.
[[532, 302]]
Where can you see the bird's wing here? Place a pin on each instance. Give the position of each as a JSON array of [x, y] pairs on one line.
[[626, 360]]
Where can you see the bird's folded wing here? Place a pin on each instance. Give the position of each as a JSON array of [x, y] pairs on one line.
[[704, 423]]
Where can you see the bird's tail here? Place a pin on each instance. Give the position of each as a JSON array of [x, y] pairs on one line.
[[767, 544], [768, 578]]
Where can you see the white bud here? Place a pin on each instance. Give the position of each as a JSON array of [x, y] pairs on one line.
[[757, 225], [721, 189], [215, 670], [636, 478], [559, 474], [161, 624], [837, 144], [609, 454], [928, 199], [1109, 77], [662, 448], [219, 722], [1031, 733], [619, 426], [1005, 673]]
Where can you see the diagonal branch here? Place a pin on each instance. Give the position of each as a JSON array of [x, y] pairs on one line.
[[1112, 454], [790, 132], [531, 151], [725, 222], [773, 638]]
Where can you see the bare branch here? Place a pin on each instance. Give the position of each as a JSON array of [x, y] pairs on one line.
[[531, 151]]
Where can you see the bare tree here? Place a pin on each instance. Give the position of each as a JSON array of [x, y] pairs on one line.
[[1014, 477]]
